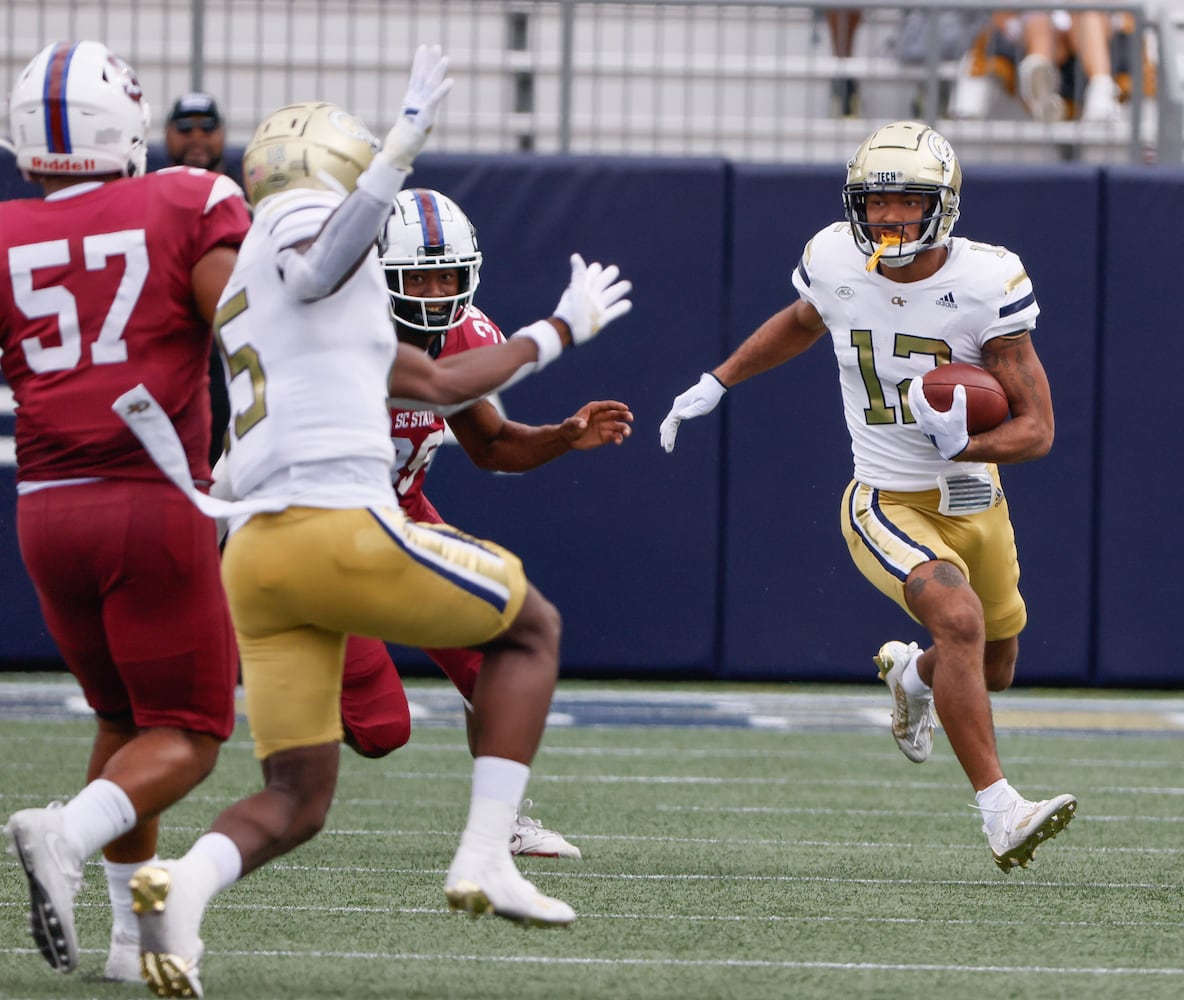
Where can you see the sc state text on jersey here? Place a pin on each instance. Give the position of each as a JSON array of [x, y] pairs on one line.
[[409, 419]]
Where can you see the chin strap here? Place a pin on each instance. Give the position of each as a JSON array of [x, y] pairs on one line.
[[888, 240]]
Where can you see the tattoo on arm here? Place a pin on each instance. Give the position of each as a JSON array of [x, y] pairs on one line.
[[1006, 359]]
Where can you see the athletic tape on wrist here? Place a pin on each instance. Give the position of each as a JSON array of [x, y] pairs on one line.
[[546, 338]]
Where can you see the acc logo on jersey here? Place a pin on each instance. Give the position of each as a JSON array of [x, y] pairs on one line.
[[844, 292]]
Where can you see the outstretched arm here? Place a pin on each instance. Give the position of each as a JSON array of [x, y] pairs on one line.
[[315, 267], [784, 335], [500, 445], [455, 382], [593, 298]]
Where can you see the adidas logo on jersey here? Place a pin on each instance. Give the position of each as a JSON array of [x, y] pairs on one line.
[[947, 301]]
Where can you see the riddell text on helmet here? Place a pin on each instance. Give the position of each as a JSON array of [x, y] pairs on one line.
[[59, 165]]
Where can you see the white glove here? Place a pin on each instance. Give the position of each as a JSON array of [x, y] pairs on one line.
[[699, 399], [947, 430], [425, 90], [593, 299]]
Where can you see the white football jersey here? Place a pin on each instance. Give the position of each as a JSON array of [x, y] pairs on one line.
[[308, 380], [887, 333]]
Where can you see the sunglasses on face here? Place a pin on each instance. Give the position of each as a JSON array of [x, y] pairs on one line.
[[187, 125]]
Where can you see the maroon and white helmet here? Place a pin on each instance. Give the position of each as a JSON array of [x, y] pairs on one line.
[[77, 110], [427, 230]]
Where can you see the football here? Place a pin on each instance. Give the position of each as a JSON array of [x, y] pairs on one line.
[[986, 402]]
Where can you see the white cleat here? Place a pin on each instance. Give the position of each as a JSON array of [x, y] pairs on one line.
[[1014, 833], [170, 949], [53, 869], [530, 838], [123, 959], [478, 885], [912, 718]]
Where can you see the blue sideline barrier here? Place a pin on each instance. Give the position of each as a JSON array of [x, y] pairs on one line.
[[724, 559], [1139, 542]]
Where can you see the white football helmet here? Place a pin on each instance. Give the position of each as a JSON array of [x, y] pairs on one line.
[[904, 157], [311, 145], [77, 109], [428, 231]]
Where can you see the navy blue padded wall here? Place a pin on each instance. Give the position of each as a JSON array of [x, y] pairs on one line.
[[1051, 217], [1139, 540], [794, 605], [23, 635], [624, 542]]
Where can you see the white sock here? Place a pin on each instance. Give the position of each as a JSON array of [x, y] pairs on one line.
[[123, 920], [213, 862], [209, 866], [97, 815], [498, 786], [911, 681], [500, 779], [995, 797]]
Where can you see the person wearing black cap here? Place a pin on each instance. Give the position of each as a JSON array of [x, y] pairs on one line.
[[195, 134]]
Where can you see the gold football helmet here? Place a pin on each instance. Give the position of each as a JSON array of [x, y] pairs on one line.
[[311, 145], [897, 158]]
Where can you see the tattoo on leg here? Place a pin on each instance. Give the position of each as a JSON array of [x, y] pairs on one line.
[[944, 574], [948, 575]]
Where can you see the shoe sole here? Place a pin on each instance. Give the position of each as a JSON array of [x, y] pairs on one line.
[[470, 898], [167, 975], [44, 923], [1054, 823], [884, 664]]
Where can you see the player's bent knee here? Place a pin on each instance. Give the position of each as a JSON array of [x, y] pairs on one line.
[[544, 619], [375, 742]]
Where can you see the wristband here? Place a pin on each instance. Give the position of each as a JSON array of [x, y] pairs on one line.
[[546, 338]]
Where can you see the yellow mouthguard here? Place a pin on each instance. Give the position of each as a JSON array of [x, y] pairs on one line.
[[888, 240]]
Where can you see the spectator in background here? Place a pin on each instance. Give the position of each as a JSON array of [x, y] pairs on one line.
[[195, 134], [844, 88], [110, 279], [1059, 47], [1061, 64]]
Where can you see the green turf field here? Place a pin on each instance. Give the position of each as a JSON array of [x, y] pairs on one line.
[[718, 863]]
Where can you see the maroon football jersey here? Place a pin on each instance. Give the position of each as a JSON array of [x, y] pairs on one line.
[[95, 297], [418, 433]]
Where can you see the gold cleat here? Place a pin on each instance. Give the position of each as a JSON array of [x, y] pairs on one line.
[[467, 897], [170, 976], [150, 887], [168, 922]]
